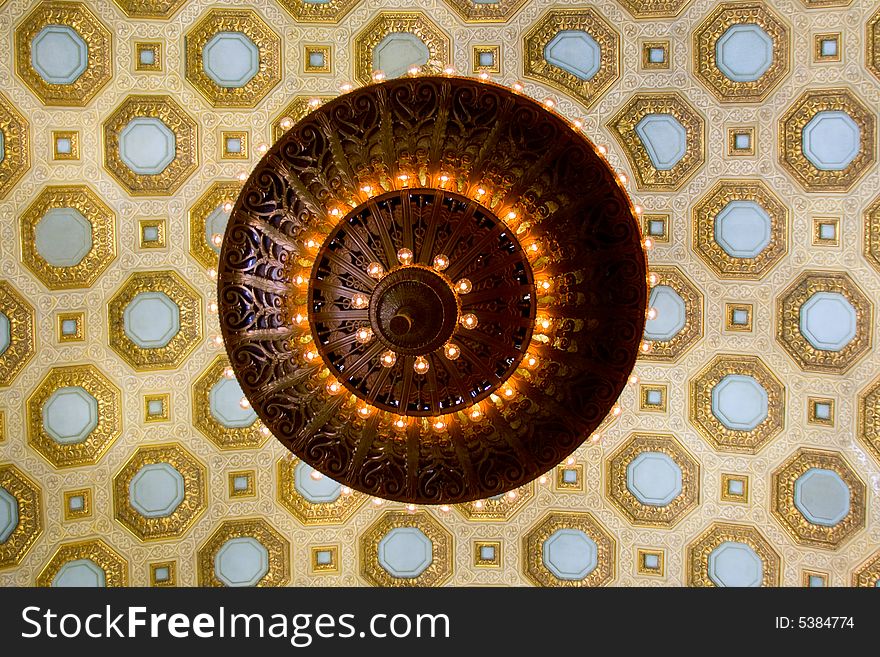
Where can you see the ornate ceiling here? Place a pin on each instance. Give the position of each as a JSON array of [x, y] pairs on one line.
[[746, 453]]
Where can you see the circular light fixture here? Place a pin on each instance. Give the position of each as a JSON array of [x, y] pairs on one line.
[[476, 346]]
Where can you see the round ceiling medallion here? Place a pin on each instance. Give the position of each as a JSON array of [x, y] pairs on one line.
[[432, 289]]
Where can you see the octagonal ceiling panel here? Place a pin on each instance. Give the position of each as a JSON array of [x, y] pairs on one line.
[[90, 563], [732, 555], [18, 333], [403, 549], [247, 552], [16, 158], [399, 40]]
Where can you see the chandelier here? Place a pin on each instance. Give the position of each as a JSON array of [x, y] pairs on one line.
[[432, 289]]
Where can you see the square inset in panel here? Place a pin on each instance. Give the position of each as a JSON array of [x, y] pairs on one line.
[[656, 55], [738, 317], [814, 579], [650, 562], [77, 503], [243, 483], [741, 141], [325, 559], [163, 573], [827, 47], [652, 397], [147, 56], [151, 234], [656, 226], [71, 327], [65, 145], [157, 407], [234, 144], [487, 59], [570, 477], [317, 59], [826, 231], [487, 554], [734, 488], [820, 410]]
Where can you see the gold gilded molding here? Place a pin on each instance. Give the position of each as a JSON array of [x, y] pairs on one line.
[[79, 322], [697, 561], [872, 234], [163, 573], [97, 38], [175, 118], [310, 513], [30, 516], [388, 22], [703, 223], [242, 21], [623, 126], [788, 332], [16, 146], [655, 8], [328, 565], [671, 350], [189, 304], [150, 8], [868, 573], [184, 515], [499, 11], [790, 517], [533, 542], [479, 51], [22, 333], [115, 567], [790, 144], [270, 538], [728, 494], [72, 139], [710, 427], [84, 510], [224, 437], [329, 11], [643, 567], [442, 550], [593, 23], [103, 227], [326, 54], [826, 3], [617, 488], [215, 196], [706, 37], [293, 113], [109, 416], [493, 556], [872, 44], [155, 60], [498, 508], [868, 431]]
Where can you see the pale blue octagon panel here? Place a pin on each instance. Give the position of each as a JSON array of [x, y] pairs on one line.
[[151, 319], [575, 52], [671, 314], [147, 146], [742, 229], [397, 52], [2, 146], [8, 514], [735, 564], [664, 138], [654, 478], [822, 497], [59, 54], [739, 402], [242, 561], [831, 140], [744, 52], [317, 491], [80, 572], [63, 236], [231, 59], [5, 333], [156, 490], [828, 321], [225, 403], [70, 415], [405, 552], [570, 554], [215, 223]]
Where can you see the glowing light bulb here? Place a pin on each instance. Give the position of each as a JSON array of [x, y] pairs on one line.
[[478, 504], [463, 286], [649, 243], [516, 86], [262, 148], [300, 318], [310, 355], [227, 207], [444, 179], [451, 351], [346, 490], [298, 280], [542, 479], [638, 209], [244, 403], [217, 340], [511, 215], [375, 270], [377, 501], [653, 279], [310, 243], [400, 423], [439, 425], [366, 189], [264, 430], [577, 123], [317, 476], [511, 494], [212, 274], [646, 347], [378, 76], [616, 410], [212, 307], [623, 179], [359, 300], [314, 102], [545, 323], [545, 285], [476, 414], [414, 70], [364, 334], [449, 70], [469, 321], [441, 262], [410, 508], [364, 411], [652, 313], [345, 87], [601, 149], [286, 122], [403, 178], [509, 393], [444, 508], [550, 103], [216, 239], [633, 379], [531, 361], [228, 373], [388, 358], [480, 191], [405, 256], [333, 387], [420, 365], [484, 76], [242, 177], [569, 460], [534, 247]]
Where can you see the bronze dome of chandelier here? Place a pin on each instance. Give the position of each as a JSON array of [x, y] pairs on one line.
[[432, 289]]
